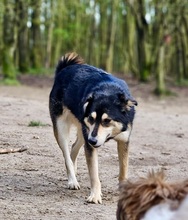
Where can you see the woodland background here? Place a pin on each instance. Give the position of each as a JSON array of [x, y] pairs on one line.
[[145, 39]]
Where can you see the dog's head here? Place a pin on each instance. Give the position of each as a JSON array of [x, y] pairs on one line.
[[106, 115]]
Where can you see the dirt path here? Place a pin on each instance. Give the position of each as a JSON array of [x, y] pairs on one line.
[[33, 183]]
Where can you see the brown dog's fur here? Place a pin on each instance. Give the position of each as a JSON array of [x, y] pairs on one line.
[[138, 197]]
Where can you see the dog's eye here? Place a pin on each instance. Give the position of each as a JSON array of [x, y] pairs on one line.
[[106, 122], [91, 120]]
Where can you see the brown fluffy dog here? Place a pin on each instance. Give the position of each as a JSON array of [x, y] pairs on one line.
[[137, 199]]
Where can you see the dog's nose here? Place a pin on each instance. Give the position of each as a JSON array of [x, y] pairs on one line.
[[92, 140]]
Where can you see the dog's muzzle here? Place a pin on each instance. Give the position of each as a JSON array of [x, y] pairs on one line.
[[93, 141]]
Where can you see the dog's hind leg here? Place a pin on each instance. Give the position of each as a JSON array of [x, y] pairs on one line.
[[92, 163], [61, 132], [76, 147]]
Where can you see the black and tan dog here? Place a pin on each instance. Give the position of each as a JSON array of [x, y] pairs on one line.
[[101, 108]]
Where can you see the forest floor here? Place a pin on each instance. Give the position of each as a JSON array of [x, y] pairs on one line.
[[33, 184]]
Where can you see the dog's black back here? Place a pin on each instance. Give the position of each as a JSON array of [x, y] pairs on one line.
[[75, 83]]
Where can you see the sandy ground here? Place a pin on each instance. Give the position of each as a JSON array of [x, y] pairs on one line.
[[33, 184]]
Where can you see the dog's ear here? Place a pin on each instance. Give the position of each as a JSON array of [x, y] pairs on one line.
[[127, 103], [87, 101]]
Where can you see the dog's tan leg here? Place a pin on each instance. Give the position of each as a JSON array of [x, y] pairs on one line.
[[92, 163], [62, 135], [76, 147], [123, 154]]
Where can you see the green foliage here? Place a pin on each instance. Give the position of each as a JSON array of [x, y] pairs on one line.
[[40, 71], [144, 76], [121, 36], [61, 32], [8, 65], [36, 124], [183, 82], [161, 93], [24, 68], [10, 82]]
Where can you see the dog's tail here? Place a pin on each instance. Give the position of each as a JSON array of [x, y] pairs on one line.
[[67, 60]]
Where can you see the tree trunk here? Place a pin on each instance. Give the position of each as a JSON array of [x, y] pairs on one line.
[[23, 55], [131, 64], [185, 24], [102, 32], [160, 87], [91, 41], [137, 9], [8, 41], [179, 69], [110, 49], [141, 50], [49, 34], [59, 22], [36, 55]]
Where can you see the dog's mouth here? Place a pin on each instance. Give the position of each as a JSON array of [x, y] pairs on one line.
[[98, 145], [95, 145], [109, 137]]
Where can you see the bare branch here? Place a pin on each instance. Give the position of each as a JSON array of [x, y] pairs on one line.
[[12, 150]]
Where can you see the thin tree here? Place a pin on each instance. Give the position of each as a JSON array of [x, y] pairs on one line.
[[22, 41], [112, 32], [8, 66], [36, 52]]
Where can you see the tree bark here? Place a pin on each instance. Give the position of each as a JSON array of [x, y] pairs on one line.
[[140, 24], [160, 87], [36, 55], [9, 71], [23, 51], [110, 49], [49, 33]]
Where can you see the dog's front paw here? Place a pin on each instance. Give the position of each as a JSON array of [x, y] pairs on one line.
[[95, 198], [73, 185]]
